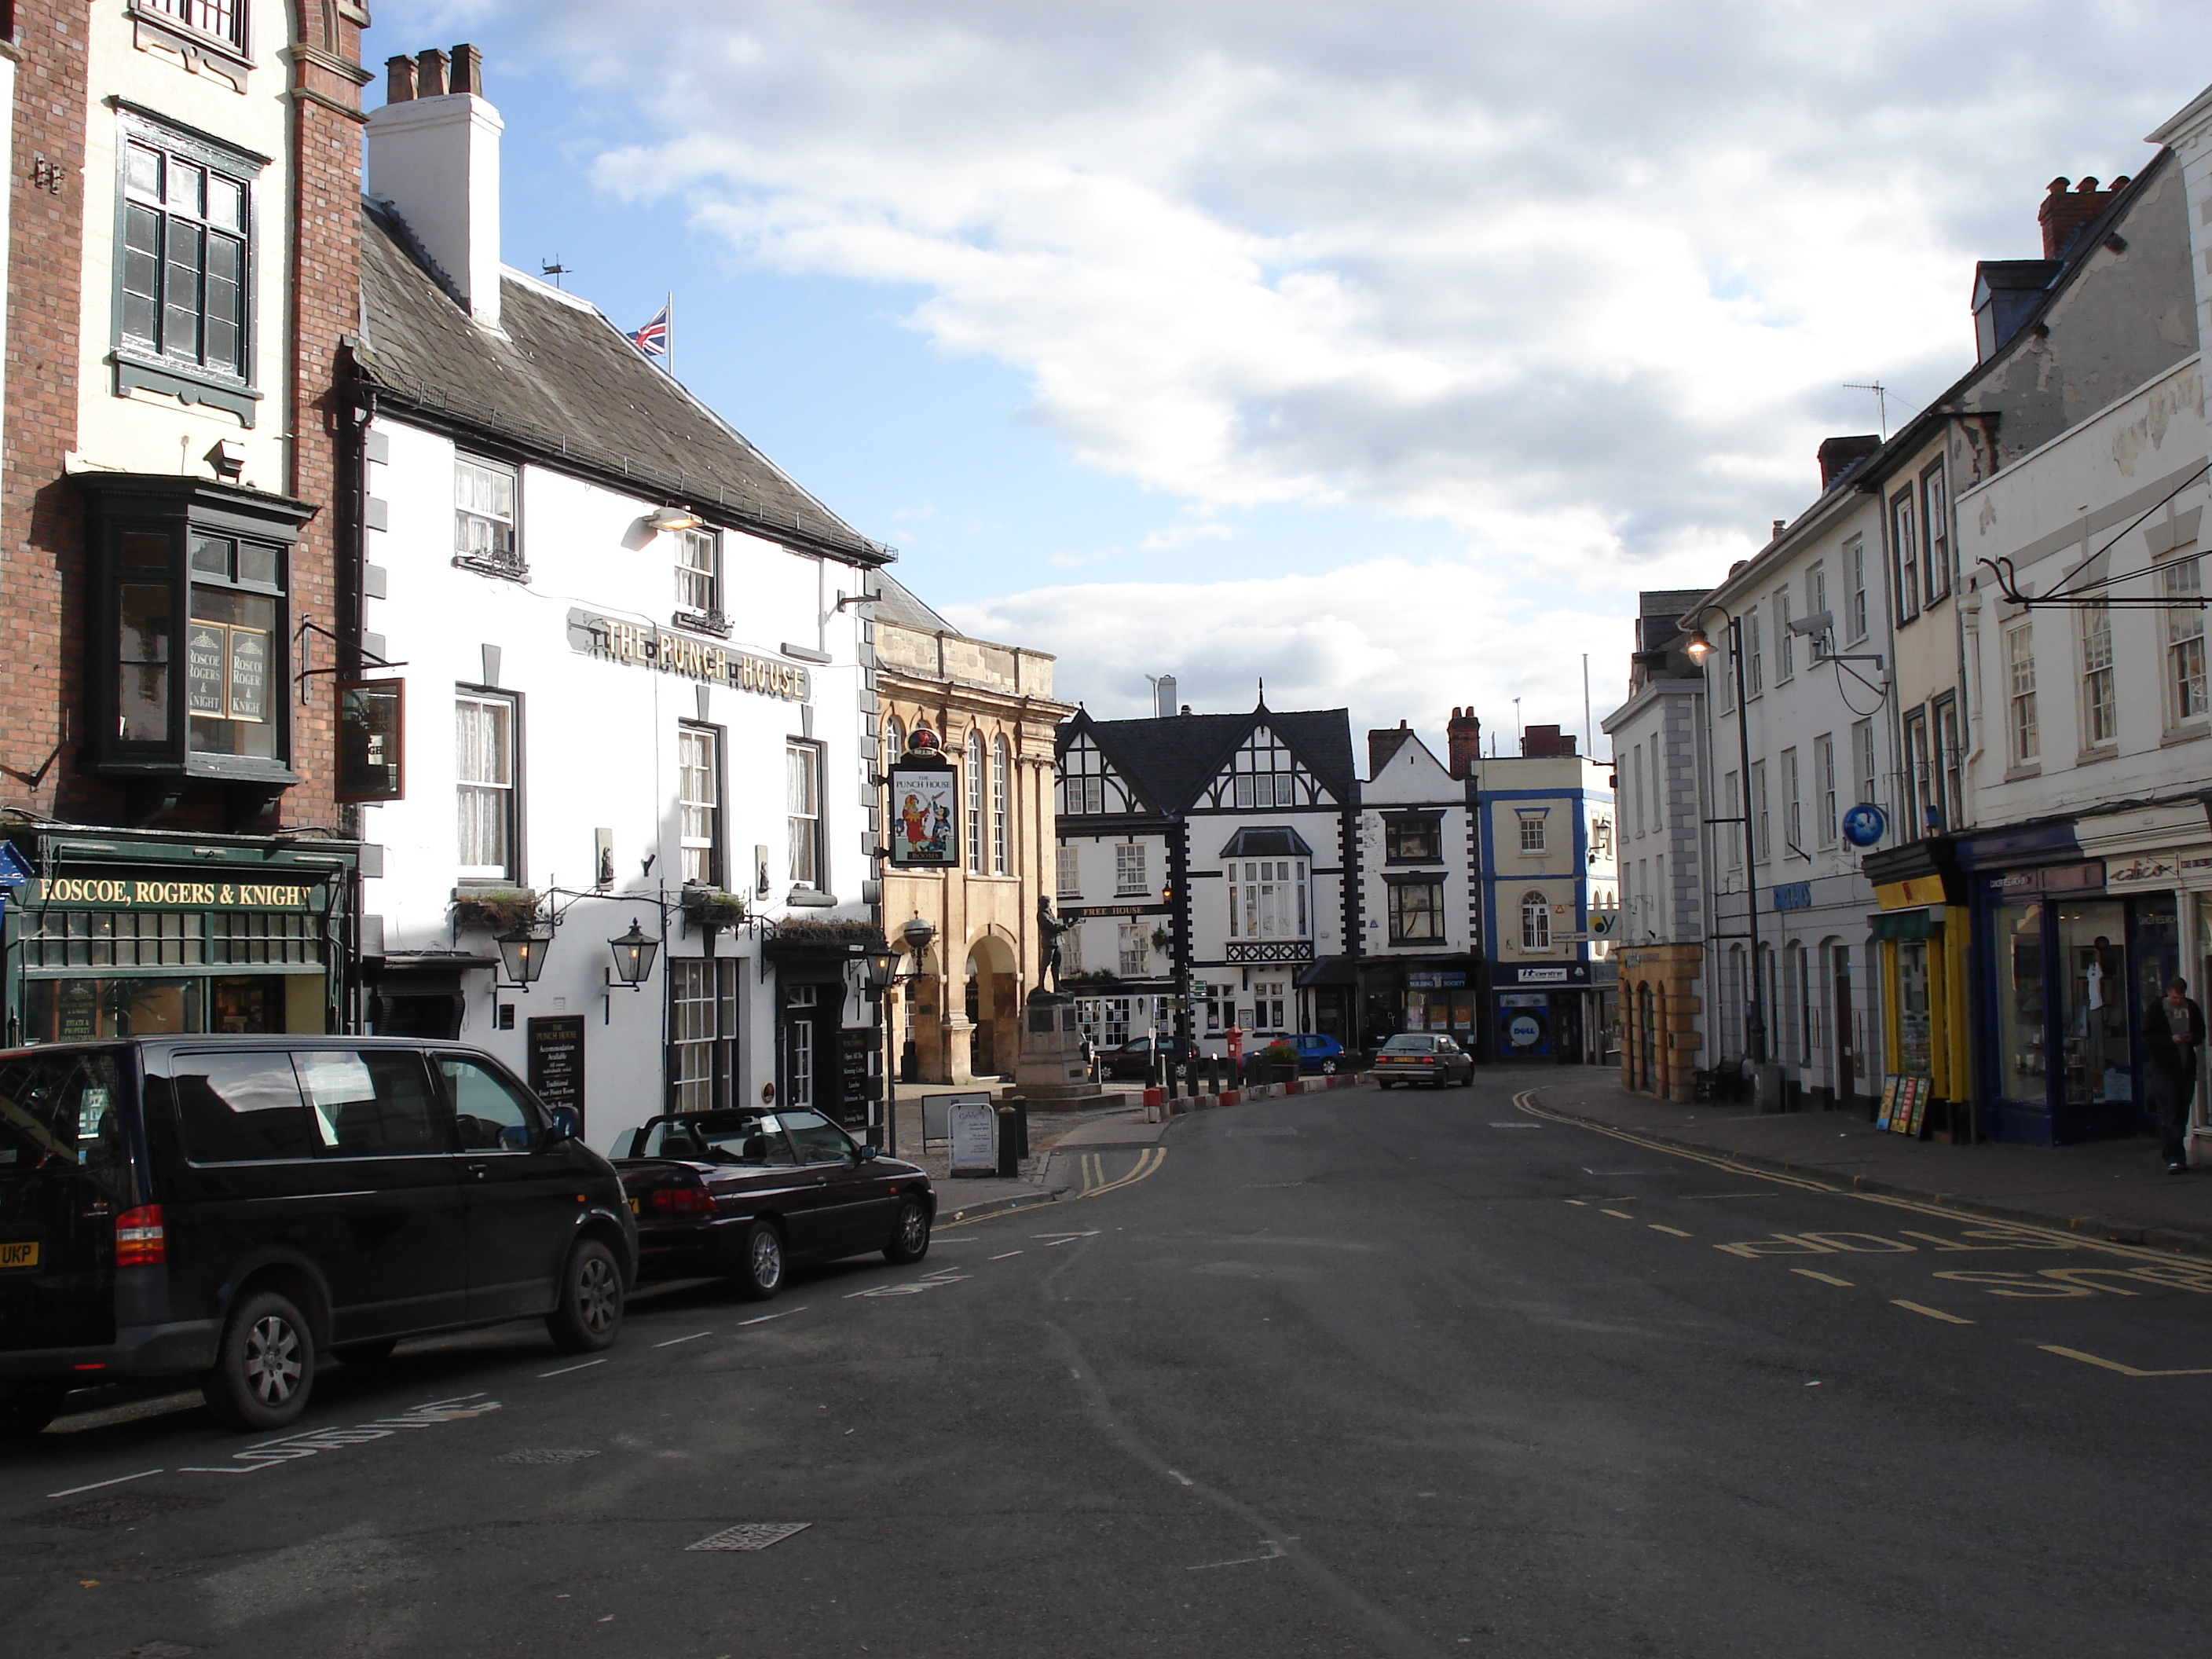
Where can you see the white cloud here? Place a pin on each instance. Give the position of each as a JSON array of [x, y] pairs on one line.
[[1178, 535]]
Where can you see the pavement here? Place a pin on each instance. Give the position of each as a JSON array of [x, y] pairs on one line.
[[1044, 1179], [2111, 1189], [1345, 1375]]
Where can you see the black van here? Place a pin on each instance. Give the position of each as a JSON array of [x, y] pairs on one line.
[[232, 1208]]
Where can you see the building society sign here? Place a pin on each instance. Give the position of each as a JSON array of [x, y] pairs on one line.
[[612, 640]]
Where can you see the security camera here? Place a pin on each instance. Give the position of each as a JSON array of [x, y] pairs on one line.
[[1817, 624]]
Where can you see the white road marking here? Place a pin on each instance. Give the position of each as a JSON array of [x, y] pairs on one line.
[[1275, 1552], [763, 1319], [1002, 1258], [287, 1449], [95, 1485], [1677, 1231], [1623, 1214], [915, 1288], [673, 1340], [582, 1365], [1178, 1473], [1933, 1313]]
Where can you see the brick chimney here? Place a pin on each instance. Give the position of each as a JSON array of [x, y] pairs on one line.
[[1837, 453], [1546, 743], [1380, 745], [1463, 743], [2064, 211], [433, 154]]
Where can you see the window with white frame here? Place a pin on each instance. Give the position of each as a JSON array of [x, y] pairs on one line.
[[1921, 817], [1785, 642], [2180, 585], [1270, 1003], [1762, 845], [1221, 1006], [1001, 803], [1863, 777], [1532, 828], [223, 19], [1754, 655], [1082, 784], [1823, 770], [699, 802], [1950, 763], [894, 744], [1263, 773], [1267, 898], [2022, 736], [484, 519], [1855, 587], [484, 777], [1071, 951], [699, 574], [1935, 536], [702, 1033], [976, 784], [1069, 873], [802, 775], [1134, 948], [2100, 708], [1535, 921], [1904, 555], [1816, 590], [1793, 815], [1636, 787], [1730, 833], [1129, 873]]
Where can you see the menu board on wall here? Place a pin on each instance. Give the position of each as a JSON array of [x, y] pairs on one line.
[[856, 1073], [556, 1061]]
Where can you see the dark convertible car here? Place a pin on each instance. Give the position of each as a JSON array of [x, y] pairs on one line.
[[746, 1194]]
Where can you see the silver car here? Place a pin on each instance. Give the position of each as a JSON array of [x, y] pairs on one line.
[[1423, 1057]]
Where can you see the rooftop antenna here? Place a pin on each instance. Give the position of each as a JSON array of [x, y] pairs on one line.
[[1881, 403], [555, 270]]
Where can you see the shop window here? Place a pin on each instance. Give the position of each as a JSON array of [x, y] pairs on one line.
[[184, 299], [1912, 1006], [803, 843], [1413, 838], [486, 526], [190, 658], [702, 1025], [2021, 1060], [1535, 921], [699, 802], [2091, 941], [1416, 912], [485, 773]]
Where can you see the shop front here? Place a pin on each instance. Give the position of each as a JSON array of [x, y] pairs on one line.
[[1920, 935], [140, 933], [2069, 967], [1546, 1010], [829, 1049]]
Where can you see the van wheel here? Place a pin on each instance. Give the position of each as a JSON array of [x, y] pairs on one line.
[[265, 1369], [27, 1411], [758, 1274], [910, 1234], [589, 1315], [374, 1351]]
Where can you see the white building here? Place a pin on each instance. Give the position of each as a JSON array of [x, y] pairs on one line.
[[635, 683]]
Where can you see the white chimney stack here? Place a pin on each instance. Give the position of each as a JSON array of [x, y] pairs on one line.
[[433, 154]]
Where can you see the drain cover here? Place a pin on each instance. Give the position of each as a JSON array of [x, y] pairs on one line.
[[122, 1511], [543, 1457], [751, 1536]]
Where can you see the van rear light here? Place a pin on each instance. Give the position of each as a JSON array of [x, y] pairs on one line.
[[139, 1240], [683, 1200]]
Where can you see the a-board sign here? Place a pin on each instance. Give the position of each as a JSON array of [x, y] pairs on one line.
[[858, 1053], [556, 1061], [1889, 1091], [974, 1122]]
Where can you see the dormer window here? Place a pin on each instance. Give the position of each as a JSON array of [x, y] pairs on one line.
[[699, 582]]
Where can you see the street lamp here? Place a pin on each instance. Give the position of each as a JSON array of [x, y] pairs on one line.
[[882, 976], [522, 952], [634, 953], [1696, 649]]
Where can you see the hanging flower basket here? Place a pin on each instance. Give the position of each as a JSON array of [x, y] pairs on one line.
[[710, 907], [498, 910]]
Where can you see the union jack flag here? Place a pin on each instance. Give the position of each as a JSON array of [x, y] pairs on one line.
[[653, 338]]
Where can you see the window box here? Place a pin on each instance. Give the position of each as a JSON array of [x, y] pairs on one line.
[[188, 658], [499, 910], [709, 907]]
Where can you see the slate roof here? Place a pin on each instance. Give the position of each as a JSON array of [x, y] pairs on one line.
[[1172, 759], [900, 606], [567, 388]]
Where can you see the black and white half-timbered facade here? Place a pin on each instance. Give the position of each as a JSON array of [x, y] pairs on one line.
[[1205, 856]]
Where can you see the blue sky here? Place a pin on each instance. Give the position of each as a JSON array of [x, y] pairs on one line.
[[1384, 350]]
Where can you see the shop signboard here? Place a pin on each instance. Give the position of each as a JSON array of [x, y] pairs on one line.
[[973, 1123], [858, 1052], [556, 1061], [925, 813], [372, 741]]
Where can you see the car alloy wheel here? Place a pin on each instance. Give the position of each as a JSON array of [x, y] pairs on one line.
[[264, 1366], [589, 1315], [598, 1298], [909, 1233], [759, 1261], [273, 1367]]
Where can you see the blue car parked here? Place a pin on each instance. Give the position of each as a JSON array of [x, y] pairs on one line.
[[1318, 1053]]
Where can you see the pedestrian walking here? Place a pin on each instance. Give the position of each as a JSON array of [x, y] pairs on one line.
[[2173, 1036]]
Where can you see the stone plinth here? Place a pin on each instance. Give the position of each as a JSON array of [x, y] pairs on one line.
[[1051, 1074]]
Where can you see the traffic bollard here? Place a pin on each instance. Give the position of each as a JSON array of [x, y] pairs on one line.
[[1010, 1147]]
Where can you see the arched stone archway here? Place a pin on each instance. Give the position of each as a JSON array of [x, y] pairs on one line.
[[992, 992]]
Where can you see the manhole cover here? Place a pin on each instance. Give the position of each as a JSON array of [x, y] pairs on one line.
[[751, 1536], [125, 1509], [543, 1457]]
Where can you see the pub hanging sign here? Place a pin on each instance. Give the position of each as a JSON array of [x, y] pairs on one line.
[[612, 640], [925, 806]]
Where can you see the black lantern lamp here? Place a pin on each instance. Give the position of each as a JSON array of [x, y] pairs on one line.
[[634, 953], [919, 936], [522, 952]]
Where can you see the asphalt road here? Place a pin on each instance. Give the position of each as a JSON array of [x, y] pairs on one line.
[[1349, 1374]]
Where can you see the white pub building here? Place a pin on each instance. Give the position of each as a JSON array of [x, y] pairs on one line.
[[611, 717]]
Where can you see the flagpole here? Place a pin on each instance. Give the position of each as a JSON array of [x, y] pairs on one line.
[[668, 310]]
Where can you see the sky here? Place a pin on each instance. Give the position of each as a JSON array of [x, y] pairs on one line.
[[1377, 352]]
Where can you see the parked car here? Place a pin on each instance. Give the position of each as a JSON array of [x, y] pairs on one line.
[[1318, 1055], [236, 1208], [1133, 1059], [1423, 1057], [744, 1195]]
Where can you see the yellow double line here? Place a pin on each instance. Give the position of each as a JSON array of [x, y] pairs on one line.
[[1094, 1171]]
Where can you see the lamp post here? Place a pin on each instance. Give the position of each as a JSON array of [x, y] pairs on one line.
[[883, 976], [1697, 649]]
